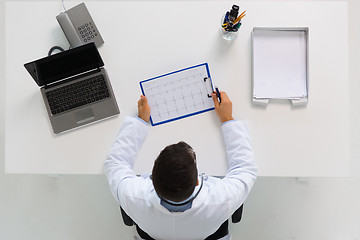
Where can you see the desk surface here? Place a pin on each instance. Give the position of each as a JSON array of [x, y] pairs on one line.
[[306, 141]]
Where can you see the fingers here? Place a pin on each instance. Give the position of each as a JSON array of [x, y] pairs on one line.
[[142, 100], [224, 96], [144, 108], [215, 99], [224, 108]]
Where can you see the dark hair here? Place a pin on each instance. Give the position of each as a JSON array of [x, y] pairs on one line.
[[174, 174]]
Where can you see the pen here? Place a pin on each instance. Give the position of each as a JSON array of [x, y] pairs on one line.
[[240, 17], [218, 93], [226, 19]]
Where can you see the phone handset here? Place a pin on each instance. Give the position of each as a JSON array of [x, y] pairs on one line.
[[69, 30]]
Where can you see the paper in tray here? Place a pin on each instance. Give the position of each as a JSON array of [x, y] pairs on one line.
[[280, 64]]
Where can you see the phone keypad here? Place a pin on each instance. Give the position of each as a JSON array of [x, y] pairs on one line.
[[87, 31]]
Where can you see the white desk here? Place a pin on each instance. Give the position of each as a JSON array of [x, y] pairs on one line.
[[307, 141]]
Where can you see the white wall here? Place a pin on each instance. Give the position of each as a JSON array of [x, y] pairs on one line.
[[81, 207]]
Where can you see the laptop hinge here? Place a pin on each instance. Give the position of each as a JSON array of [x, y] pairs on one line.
[[72, 78]]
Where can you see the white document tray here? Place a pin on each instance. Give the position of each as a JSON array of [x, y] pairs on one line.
[[277, 58]]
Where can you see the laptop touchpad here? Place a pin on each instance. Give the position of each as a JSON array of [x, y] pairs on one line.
[[84, 116]]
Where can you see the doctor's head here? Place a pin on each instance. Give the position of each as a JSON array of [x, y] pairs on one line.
[[174, 174]]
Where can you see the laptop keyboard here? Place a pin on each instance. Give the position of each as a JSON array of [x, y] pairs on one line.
[[77, 94]]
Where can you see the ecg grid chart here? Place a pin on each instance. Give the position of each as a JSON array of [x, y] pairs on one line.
[[179, 94]]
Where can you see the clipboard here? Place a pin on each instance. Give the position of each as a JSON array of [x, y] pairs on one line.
[[179, 94]]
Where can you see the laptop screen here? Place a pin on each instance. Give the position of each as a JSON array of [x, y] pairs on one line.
[[65, 64]]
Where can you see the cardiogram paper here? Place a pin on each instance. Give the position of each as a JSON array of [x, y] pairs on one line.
[[179, 94]]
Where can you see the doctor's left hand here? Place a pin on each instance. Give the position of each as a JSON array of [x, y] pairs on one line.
[[144, 109]]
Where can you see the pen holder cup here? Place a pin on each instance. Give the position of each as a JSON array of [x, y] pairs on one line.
[[227, 34]]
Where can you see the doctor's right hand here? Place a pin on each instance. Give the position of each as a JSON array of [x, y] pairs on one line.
[[144, 109], [224, 108]]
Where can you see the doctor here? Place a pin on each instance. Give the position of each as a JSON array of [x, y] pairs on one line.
[[175, 202]]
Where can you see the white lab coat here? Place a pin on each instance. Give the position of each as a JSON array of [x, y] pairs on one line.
[[216, 202]]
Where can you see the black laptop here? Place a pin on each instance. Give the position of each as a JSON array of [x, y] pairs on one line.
[[75, 87]]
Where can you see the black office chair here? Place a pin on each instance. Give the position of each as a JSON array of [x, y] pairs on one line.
[[222, 231]]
